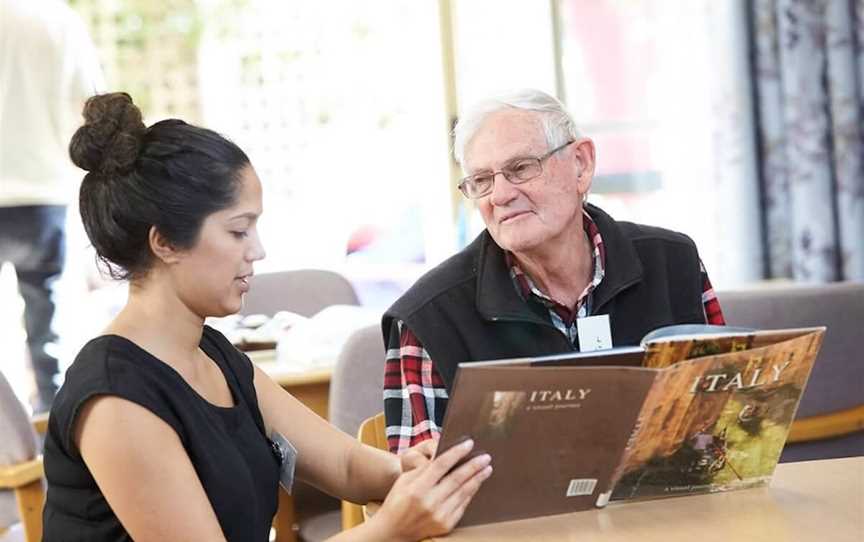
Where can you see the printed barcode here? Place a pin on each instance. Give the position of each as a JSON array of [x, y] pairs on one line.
[[582, 486]]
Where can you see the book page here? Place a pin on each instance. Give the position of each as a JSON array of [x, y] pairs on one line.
[[661, 353]]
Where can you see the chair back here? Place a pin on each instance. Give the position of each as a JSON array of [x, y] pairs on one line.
[[356, 393], [18, 450], [833, 402], [304, 291], [356, 387], [373, 431], [17, 437]]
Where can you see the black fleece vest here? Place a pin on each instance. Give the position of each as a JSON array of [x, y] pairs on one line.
[[467, 308]]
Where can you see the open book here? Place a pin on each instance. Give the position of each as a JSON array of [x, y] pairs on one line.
[[693, 409]]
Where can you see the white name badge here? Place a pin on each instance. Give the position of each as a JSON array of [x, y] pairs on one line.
[[594, 333]]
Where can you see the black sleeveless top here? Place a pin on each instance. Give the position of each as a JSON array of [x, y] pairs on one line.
[[228, 446]]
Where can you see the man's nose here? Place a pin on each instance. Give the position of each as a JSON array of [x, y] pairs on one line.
[[503, 191]]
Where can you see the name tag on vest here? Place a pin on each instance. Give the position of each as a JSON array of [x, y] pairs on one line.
[[594, 333]]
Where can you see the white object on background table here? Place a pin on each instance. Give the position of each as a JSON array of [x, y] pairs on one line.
[[316, 342]]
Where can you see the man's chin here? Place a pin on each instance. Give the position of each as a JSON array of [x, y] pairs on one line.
[[516, 243]]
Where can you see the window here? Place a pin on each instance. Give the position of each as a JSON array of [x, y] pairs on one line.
[[339, 106], [662, 88]]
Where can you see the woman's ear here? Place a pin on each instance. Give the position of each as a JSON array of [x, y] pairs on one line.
[[162, 248]]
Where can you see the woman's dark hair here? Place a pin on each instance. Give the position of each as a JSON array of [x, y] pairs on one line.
[[171, 175]]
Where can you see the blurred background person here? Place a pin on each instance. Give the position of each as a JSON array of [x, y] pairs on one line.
[[48, 68]]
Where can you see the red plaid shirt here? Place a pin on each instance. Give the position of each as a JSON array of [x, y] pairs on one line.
[[413, 386]]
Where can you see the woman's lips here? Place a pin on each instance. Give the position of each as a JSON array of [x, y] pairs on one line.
[[244, 283]]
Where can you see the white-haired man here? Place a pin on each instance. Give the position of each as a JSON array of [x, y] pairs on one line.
[[550, 274]]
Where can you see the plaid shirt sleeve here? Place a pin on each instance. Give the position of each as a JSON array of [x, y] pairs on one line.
[[414, 392], [713, 313]]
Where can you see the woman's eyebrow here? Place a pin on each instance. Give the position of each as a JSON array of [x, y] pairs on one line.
[[248, 215]]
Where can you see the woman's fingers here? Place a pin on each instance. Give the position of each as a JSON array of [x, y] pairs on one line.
[[454, 506], [459, 477], [427, 448], [442, 464], [418, 456], [431, 499]]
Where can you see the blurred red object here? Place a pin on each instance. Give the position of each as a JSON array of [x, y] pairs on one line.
[[361, 238]]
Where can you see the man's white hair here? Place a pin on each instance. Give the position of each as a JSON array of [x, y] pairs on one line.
[[558, 126]]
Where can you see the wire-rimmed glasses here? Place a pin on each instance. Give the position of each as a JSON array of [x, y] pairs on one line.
[[517, 171]]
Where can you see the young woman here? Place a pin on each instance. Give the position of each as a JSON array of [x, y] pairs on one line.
[[162, 430]]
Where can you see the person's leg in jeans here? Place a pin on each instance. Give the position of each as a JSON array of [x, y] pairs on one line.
[[35, 236]]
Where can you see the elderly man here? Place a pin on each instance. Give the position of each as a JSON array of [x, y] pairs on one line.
[[550, 274]]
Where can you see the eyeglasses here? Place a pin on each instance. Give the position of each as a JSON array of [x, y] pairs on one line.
[[516, 172]]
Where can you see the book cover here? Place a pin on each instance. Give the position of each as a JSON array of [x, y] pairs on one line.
[[717, 420], [556, 434], [691, 410]]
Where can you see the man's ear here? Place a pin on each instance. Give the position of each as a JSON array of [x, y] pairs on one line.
[[161, 247], [584, 152]]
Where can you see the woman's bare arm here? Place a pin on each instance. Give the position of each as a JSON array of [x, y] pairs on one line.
[[428, 500], [144, 472], [328, 458]]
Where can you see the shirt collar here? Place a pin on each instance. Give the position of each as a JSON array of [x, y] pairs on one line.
[[496, 297], [529, 290]]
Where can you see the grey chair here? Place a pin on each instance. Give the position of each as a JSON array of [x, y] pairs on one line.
[[355, 394], [830, 419], [21, 473], [304, 291]]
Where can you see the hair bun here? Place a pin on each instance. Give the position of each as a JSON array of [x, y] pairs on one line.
[[111, 138]]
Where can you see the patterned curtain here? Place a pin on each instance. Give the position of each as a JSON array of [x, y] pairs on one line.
[[808, 62]]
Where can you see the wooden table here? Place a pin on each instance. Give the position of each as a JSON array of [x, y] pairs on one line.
[[310, 387], [806, 501]]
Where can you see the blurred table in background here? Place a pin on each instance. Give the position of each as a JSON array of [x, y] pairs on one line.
[[311, 386]]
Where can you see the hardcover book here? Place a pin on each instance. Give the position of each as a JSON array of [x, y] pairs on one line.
[[693, 409]]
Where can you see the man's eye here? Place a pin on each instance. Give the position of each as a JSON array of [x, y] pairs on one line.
[[521, 167], [239, 234], [482, 180]]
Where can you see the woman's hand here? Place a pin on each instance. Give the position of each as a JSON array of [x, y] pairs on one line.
[[426, 500], [419, 455]]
